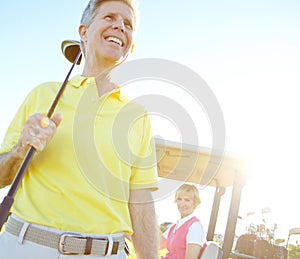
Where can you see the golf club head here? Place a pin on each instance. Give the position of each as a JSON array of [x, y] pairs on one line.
[[279, 241], [70, 49]]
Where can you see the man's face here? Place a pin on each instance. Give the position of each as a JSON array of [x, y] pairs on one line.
[[109, 37]]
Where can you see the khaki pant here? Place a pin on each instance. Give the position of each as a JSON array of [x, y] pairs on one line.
[[13, 247]]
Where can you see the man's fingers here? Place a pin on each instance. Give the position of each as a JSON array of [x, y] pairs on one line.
[[45, 121], [56, 118]]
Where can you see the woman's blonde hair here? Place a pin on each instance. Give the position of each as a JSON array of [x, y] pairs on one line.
[[189, 189]]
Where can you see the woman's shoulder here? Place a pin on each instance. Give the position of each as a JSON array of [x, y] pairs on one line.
[[197, 224]]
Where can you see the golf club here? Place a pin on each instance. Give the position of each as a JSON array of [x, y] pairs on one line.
[[9, 198]]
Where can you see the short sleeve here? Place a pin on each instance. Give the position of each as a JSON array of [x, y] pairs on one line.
[[14, 130], [144, 168], [196, 234], [35, 101]]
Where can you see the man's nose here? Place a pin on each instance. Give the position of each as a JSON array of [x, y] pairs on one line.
[[119, 25]]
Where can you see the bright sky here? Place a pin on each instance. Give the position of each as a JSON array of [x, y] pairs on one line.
[[248, 52]]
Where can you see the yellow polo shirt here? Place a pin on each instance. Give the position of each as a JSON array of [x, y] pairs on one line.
[[102, 148]]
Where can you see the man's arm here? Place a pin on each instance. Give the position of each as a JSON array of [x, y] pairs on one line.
[[143, 218], [9, 165]]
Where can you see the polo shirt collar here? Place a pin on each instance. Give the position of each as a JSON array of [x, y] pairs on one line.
[[185, 219], [79, 81]]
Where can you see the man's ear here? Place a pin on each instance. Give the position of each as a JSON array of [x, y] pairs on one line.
[[82, 32]]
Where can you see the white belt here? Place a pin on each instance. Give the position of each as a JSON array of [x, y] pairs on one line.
[[68, 243]]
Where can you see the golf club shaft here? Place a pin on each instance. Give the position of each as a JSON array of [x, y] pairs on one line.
[[9, 198]]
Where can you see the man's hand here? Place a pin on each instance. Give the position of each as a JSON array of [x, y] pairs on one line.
[[37, 132]]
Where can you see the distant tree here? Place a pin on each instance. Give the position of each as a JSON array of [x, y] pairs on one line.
[[294, 251]]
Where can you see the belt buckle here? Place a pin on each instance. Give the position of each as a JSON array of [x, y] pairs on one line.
[[62, 241]]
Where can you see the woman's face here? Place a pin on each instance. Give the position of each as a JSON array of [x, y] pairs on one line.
[[185, 204]]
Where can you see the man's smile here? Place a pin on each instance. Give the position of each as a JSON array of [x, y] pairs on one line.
[[115, 40]]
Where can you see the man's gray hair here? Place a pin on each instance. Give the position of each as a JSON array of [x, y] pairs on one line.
[[90, 10]]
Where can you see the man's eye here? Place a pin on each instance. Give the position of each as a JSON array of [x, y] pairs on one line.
[[128, 26], [108, 18]]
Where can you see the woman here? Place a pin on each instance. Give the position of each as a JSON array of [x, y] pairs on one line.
[[185, 239]]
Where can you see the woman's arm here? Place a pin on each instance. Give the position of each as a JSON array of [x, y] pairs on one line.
[[195, 239], [192, 251]]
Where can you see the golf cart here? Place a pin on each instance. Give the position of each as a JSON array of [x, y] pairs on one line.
[[188, 163]]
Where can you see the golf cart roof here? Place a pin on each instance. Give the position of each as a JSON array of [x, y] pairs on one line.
[[294, 231], [189, 163]]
